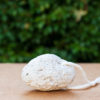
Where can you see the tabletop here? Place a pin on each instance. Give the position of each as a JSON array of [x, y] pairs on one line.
[[13, 88]]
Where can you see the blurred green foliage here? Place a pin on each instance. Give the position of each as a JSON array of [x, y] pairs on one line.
[[68, 28]]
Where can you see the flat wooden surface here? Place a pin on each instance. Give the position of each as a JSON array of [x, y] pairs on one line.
[[13, 88]]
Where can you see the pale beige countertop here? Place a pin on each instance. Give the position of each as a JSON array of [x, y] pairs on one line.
[[13, 88]]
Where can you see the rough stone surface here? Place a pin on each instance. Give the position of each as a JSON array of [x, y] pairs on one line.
[[46, 72]]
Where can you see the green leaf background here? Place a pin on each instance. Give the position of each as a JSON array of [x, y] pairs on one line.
[[67, 28]]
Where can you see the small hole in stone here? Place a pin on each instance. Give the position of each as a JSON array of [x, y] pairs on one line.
[[27, 74], [40, 70]]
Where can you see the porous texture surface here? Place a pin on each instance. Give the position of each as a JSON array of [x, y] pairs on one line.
[[46, 73]]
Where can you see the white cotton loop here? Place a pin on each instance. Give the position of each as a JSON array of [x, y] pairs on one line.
[[98, 80], [77, 66], [84, 86]]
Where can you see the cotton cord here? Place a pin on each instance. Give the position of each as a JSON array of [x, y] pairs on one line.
[[84, 86]]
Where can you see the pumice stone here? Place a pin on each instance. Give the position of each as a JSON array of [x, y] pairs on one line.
[[49, 72]]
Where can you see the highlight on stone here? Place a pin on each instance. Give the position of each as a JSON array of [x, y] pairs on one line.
[[49, 72]]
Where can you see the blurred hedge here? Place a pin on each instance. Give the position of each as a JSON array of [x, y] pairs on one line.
[[68, 28]]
